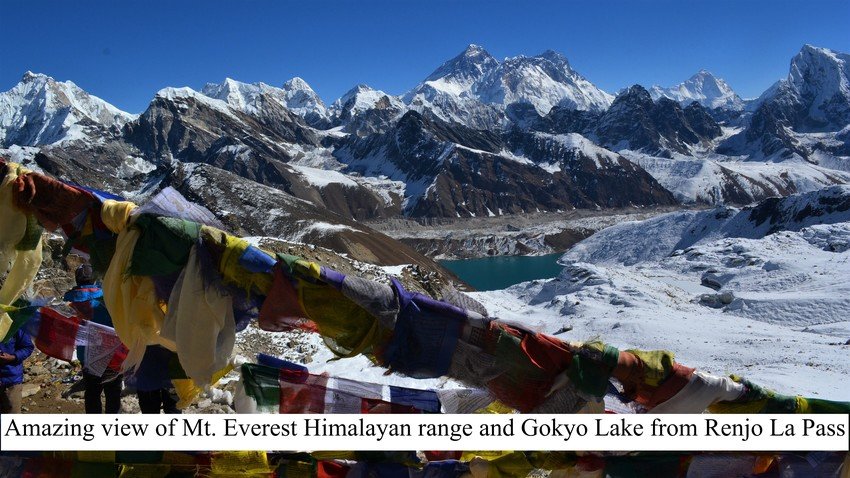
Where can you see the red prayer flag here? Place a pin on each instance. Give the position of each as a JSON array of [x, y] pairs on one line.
[[331, 469], [47, 468], [304, 397], [282, 310], [57, 334]]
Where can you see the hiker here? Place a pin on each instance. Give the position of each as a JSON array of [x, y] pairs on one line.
[[153, 384], [12, 356], [87, 299]]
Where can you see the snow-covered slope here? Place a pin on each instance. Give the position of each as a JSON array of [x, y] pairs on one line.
[[720, 180], [633, 242], [40, 110], [296, 95], [704, 88], [760, 292]]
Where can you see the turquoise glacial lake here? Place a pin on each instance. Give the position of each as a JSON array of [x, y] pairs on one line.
[[499, 272]]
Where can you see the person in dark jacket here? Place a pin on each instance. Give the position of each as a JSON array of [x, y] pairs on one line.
[[87, 299], [12, 356], [153, 384]]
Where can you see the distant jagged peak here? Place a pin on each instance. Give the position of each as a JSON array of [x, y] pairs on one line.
[[183, 93], [633, 93], [459, 73], [40, 110], [820, 66], [65, 94], [475, 76], [815, 96], [301, 98], [295, 95], [363, 97], [235, 93], [29, 76], [297, 83], [704, 88], [543, 81]]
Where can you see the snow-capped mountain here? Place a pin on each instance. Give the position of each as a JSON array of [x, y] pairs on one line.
[[543, 81], [295, 95], [362, 98], [40, 110], [475, 89], [460, 74], [364, 110], [477, 137], [448, 91], [819, 81], [814, 98], [816, 94], [704, 88], [302, 100]]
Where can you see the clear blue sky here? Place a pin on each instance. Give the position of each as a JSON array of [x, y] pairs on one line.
[[124, 51]]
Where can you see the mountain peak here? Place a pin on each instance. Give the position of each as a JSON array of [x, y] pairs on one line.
[[816, 50], [297, 83], [40, 110], [703, 73], [811, 53], [702, 87], [359, 88], [472, 49], [295, 95], [468, 84], [361, 98], [30, 77], [636, 91], [554, 56], [820, 79], [473, 63]]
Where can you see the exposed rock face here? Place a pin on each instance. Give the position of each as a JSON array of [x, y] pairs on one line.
[[635, 122], [701, 121], [249, 209], [815, 97], [189, 127], [451, 170], [826, 206]]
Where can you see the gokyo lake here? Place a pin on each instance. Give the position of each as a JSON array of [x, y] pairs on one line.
[[499, 272]]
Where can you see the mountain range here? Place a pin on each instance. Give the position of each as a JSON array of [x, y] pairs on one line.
[[477, 137]]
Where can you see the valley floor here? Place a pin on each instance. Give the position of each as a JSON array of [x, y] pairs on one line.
[[515, 234]]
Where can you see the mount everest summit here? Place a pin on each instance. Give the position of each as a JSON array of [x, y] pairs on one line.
[[477, 137]]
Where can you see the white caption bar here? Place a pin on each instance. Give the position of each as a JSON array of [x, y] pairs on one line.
[[693, 432]]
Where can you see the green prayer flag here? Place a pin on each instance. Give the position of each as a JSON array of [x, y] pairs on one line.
[[164, 245]]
